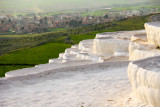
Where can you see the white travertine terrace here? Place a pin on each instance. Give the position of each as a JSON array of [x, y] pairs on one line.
[[144, 73], [105, 47], [113, 43], [141, 50], [144, 46], [144, 76], [90, 85], [120, 34], [153, 33], [111, 47]]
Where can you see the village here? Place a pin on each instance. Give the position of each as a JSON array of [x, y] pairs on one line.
[[39, 23]]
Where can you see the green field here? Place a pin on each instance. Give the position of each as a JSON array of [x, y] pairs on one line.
[[53, 7], [31, 56], [63, 4], [57, 29], [136, 7]]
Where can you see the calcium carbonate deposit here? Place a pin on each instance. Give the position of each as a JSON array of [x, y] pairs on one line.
[[144, 76], [94, 73]]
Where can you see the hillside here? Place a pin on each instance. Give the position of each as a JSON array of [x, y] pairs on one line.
[[61, 4]]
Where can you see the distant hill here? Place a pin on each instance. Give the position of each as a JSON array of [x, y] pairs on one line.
[[61, 4]]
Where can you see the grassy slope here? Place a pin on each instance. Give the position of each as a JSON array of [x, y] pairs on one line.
[[41, 54], [31, 57]]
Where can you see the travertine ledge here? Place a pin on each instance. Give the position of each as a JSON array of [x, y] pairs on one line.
[[153, 33], [144, 76], [140, 48], [136, 46], [109, 46]]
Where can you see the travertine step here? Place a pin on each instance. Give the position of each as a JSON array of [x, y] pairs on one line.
[[46, 67], [86, 56], [68, 52], [74, 46], [24, 71], [71, 57], [86, 45], [87, 51], [105, 34], [71, 49], [153, 33], [120, 34], [56, 60], [61, 55], [144, 76], [139, 37], [75, 51]]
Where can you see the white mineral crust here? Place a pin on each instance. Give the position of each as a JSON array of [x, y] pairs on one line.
[[144, 76], [153, 32], [111, 46], [81, 77]]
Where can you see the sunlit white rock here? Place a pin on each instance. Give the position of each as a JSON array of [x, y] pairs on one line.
[[86, 45], [144, 76], [105, 34], [61, 56], [55, 60], [74, 46], [121, 54], [120, 34], [153, 32], [139, 37], [141, 50], [110, 46]]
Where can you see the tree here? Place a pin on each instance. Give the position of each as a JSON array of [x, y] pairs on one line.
[[46, 20], [35, 17], [106, 16], [22, 28], [73, 23], [142, 11], [40, 21], [2, 21], [68, 39], [9, 20]]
